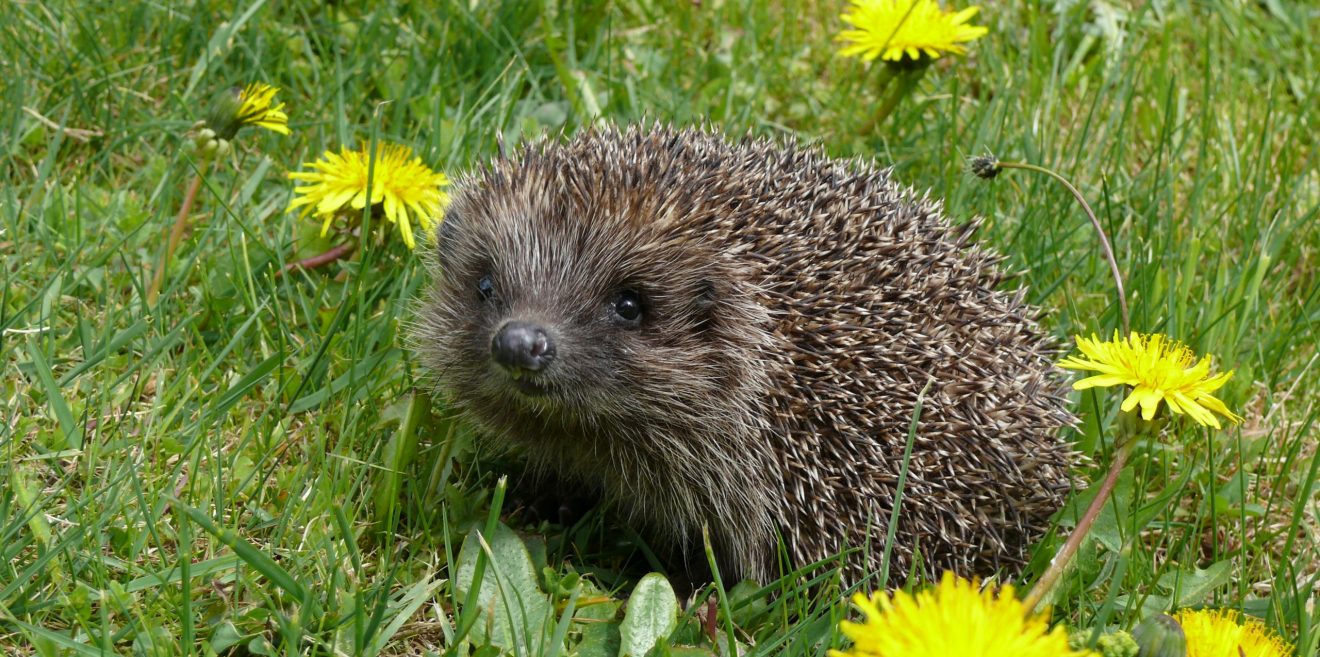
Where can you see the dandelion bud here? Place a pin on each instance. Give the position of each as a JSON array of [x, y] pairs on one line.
[[985, 166], [1114, 644], [201, 138], [1117, 644], [236, 107], [223, 117], [1160, 636], [222, 148]]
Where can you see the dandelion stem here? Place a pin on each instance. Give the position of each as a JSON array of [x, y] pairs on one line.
[[1099, 230], [1060, 562], [176, 232], [322, 259], [887, 75], [906, 81]]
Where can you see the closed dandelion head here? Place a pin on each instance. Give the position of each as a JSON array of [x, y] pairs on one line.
[[916, 29], [243, 106], [984, 166], [406, 189], [1223, 633], [1159, 370], [1160, 636], [954, 618]]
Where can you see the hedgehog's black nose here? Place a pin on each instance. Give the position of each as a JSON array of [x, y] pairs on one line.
[[520, 346]]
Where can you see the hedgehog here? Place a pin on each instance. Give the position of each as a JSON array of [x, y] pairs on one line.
[[732, 336]]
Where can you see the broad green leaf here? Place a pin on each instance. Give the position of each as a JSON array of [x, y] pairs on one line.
[[600, 639], [746, 604], [514, 610], [598, 621], [225, 636], [1190, 587], [651, 616]]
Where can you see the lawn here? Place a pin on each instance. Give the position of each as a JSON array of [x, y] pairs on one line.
[[251, 463]]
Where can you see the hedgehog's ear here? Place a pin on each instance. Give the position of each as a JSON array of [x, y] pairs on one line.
[[446, 234], [706, 294], [725, 308], [706, 303]]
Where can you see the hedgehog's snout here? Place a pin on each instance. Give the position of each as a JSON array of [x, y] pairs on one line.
[[522, 348]]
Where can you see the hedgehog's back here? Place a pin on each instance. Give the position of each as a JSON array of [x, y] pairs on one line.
[[866, 297]]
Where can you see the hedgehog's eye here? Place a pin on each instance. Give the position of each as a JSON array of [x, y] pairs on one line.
[[628, 308], [486, 288]]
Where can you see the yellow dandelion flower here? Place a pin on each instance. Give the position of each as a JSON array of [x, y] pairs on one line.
[[1158, 369], [892, 29], [1220, 633], [255, 108], [955, 618], [407, 189], [240, 106]]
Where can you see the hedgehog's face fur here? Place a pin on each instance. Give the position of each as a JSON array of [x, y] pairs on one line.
[[575, 319], [559, 319]]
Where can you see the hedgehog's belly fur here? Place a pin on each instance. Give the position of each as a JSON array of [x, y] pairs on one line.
[[799, 306]]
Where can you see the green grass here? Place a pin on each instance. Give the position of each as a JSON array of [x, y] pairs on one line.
[[249, 462]]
